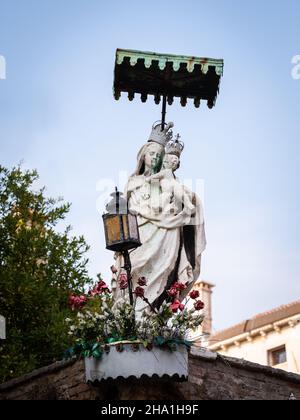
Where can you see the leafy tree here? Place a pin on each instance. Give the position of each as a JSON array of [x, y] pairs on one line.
[[39, 267]]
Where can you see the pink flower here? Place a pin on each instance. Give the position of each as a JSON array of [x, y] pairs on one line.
[[179, 286], [172, 292], [139, 292], [177, 305], [142, 281], [77, 302], [199, 305], [194, 294]]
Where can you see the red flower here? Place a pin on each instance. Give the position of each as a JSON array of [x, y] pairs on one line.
[[179, 286], [199, 305], [99, 288], [139, 292], [102, 286], [177, 305], [123, 277], [123, 281], [172, 292], [77, 302], [123, 285], [142, 281], [194, 294]]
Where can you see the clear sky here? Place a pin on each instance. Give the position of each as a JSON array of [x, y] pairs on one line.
[[57, 113]]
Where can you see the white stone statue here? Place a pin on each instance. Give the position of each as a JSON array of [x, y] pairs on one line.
[[170, 219]]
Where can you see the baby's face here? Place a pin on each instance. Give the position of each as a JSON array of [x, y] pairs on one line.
[[171, 162]]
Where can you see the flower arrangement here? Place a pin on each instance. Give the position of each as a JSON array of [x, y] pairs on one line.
[[99, 321]]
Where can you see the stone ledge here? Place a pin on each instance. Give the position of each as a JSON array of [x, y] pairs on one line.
[[36, 374], [204, 354], [245, 365], [211, 377]]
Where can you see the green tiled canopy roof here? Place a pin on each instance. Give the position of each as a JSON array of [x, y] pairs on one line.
[[148, 73]]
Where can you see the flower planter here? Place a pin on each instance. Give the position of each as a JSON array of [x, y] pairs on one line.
[[135, 363]]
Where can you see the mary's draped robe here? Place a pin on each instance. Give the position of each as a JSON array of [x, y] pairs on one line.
[[172, 242]]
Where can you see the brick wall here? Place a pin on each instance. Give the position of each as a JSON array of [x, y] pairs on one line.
[[211, 377]]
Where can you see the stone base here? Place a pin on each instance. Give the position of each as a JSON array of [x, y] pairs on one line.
[[136, 364]]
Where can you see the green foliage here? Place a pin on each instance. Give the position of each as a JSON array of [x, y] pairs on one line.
[[39, 266]]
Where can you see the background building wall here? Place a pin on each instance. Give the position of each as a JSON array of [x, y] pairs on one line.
[[257, 348]]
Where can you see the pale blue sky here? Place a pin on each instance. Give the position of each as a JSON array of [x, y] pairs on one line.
[[57, 113]]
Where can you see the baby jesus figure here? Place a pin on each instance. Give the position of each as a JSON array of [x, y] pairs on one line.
[[173, 196]]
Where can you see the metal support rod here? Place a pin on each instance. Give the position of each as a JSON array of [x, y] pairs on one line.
[[127, 267], [163, 112]]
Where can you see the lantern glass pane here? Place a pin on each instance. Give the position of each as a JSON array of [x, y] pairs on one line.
[[133, 228], [125, 226], [113, 229]]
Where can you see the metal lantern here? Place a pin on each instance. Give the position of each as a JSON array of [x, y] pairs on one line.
[[121, 232], [121, 228]]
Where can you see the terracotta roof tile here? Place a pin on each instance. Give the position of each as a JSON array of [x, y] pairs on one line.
[[258, 321]]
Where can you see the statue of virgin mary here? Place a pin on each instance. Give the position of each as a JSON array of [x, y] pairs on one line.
[[172, 242]]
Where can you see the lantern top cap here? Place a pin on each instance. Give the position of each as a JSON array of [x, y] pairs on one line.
[[118, 204]]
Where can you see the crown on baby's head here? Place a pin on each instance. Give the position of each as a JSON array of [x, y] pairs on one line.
[[175, 147]]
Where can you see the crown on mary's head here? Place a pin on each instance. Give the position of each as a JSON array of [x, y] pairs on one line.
[[175, 146], [159, 136]]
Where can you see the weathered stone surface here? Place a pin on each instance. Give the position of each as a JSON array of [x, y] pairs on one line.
[[210, 378]]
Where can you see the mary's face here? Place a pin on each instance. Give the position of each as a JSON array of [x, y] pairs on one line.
[[153, 155]]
